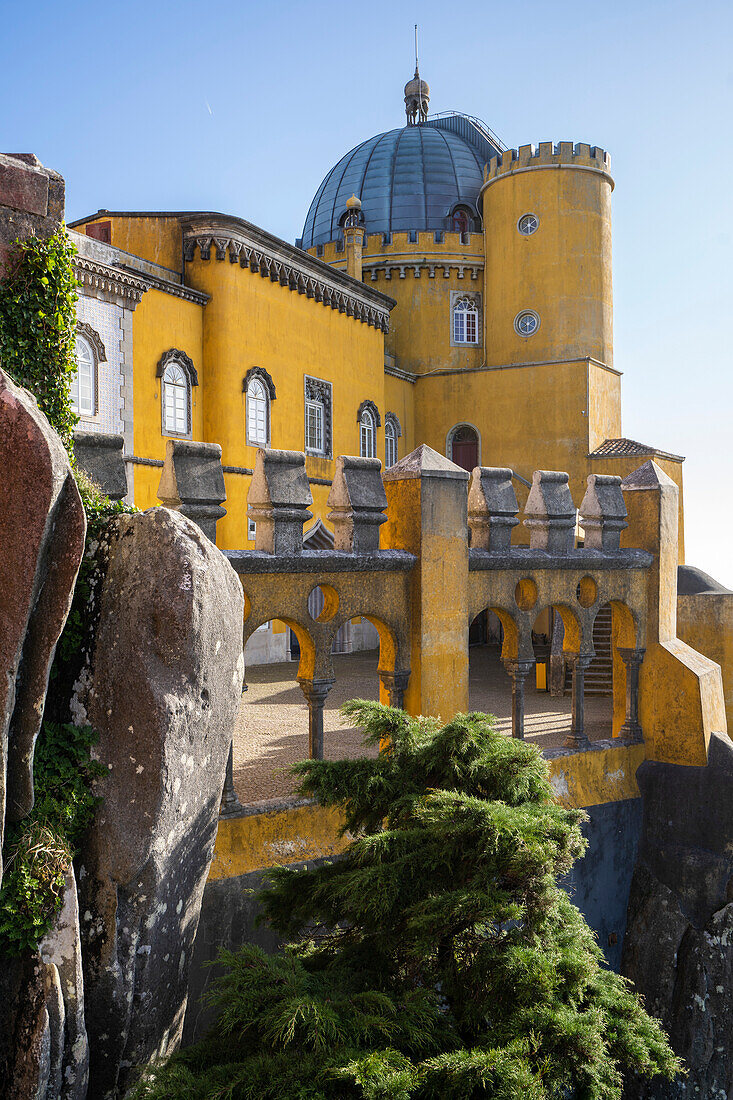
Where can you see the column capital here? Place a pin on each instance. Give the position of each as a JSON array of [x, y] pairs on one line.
[[518, 668], [395, 684], [314, 690], [631, 657]]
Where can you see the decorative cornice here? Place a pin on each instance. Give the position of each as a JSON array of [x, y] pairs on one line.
[[110, 280], [273, 259], [91, 334], [418, 266], [367, 404], [174, 355], [404, 375], [264, 376], [178, 290]]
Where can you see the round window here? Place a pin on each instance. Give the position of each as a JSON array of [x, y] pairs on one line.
[[527, 322], [528, 224]]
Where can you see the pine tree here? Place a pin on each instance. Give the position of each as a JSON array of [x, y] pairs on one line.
[[438, 958]]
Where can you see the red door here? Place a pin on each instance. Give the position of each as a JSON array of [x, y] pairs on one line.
[[465, 453]]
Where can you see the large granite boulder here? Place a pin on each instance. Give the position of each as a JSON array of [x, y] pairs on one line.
[[42, 530], [44, 1052], [162, 689], [678, 947]]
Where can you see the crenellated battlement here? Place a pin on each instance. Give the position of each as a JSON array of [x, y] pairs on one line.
[[548, 154]]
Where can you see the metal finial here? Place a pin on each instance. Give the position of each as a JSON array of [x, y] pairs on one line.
[[416, 64]]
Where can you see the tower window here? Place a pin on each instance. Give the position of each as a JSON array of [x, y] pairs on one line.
[[386, 238], [527, 322], [412, 236], [438, 236], [392, 433], [83, 389], [527, 224], [368, 435], [459, 221], [465, 320], [317, 417], [258, 414], [176, 401]]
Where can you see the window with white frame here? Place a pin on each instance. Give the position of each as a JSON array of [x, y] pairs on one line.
[[391, 435], [318, 417], [367, 435], [314, 417], [465, 320], [176, 394], [258, 414], [83, 388]]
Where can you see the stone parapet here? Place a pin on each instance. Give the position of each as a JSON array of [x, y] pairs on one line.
[[548, 154], [193, 483]]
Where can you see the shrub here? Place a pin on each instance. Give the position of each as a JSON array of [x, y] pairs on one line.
[[438, 958]]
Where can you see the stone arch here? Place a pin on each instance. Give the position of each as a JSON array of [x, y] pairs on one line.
[[307, 664], [175, 355], [265, 378], [369, 406]]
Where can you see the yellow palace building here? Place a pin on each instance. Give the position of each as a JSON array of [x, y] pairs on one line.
[[445, 290]]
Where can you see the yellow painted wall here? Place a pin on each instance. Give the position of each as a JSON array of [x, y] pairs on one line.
[[160, 322], [420, 348], [252, 321], [705, 622], [562, 271], [400, 398], [529, 418], [157, 239]]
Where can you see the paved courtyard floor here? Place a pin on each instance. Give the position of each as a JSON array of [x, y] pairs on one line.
[[272, 726]]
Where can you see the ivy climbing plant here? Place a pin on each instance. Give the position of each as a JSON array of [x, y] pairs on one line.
[[37, 349], [38, 325]]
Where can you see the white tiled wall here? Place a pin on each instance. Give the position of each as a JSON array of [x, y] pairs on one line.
[[107, 320]]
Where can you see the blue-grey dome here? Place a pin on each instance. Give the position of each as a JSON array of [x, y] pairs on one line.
[[410, 178]]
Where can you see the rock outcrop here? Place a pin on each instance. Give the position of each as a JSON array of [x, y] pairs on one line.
[[162, 689], [44, 1052], [42, 530], [678, 948]]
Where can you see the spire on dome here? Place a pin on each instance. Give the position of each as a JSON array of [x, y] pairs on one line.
[[417, 95]]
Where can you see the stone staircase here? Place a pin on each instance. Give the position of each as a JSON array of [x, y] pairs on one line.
[[599, 675]]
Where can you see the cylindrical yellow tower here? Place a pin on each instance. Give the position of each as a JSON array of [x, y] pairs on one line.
[[547, 234]]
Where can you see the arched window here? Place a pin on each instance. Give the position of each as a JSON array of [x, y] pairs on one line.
[[176, 400], [459, 221], [465, 320], [392, 433], [368, 434], [83, 387], [463, 446], [258, 414]]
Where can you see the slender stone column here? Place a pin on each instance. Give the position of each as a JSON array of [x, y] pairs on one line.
[[395, 684], [230, 804], [631, 730], [315, 692], [519, 670], [578, 738]]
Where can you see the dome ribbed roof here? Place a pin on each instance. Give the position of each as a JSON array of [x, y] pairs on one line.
[[406, 179]]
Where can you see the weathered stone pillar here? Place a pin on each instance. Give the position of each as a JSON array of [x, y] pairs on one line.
[[192, 483], [278, 500], [357, 503], [519, 670], [427, 515], [395, 684], [100, 456], [632, 658], [315, 692], [578, 739]]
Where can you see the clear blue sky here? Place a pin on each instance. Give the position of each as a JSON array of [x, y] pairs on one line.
[[244, 107]]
